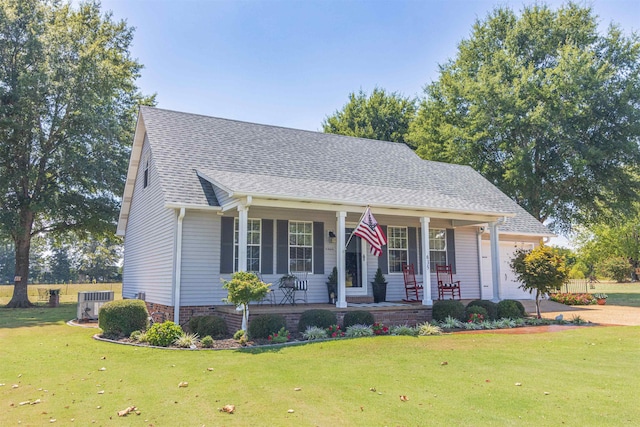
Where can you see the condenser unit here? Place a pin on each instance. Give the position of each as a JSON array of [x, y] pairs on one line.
[[89, 303]]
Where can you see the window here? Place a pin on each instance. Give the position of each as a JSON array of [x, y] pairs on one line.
[[146, 173], [253, 244], [300, 246], [398, 248], [437, 247]]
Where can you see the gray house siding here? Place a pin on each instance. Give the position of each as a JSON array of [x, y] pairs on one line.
[[149, 240], [200, 273]]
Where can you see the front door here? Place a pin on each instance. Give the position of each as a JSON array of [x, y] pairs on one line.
[[355, 262]]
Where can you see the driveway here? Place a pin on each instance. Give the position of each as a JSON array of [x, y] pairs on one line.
[[603, 314]]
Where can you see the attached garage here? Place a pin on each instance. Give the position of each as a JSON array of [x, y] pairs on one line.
[[509, 284]]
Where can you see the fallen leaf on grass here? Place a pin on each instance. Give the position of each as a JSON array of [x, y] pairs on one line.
[[183, 384], [126, 411], [209, 369], [228, 409], [518, 384], [26, 402], [102, 369], [297, 389], [52, 420], [373, 389], [444, 363], [15, 386], [291, 411], [101, 392], [404, 398]]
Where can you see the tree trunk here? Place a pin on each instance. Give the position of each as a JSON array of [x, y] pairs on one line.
[[20, 298]]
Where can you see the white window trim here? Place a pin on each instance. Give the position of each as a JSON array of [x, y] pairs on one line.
[[236, 226], [431, 249], [389, 248], [298, 246]]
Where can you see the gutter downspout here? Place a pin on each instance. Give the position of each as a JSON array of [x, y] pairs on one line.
[[176, 296]]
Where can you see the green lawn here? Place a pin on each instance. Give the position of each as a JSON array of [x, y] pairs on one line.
[[591, 376], [627, 294]]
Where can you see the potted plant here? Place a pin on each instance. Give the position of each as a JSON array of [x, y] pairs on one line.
[[379, 287], [332, 285], [601, 298]]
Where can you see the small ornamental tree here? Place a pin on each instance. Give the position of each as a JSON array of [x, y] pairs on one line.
[[243, 288], [540, 270]]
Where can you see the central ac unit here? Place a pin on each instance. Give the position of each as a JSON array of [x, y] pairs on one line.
[[89, 303]]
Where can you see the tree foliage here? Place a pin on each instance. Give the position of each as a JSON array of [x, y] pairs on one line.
[[67, 115], [243, 288], [544, 107], [619, 238], [541, 270], [381, 115]]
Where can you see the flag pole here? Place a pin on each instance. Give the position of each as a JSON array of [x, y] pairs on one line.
[[351, 236]]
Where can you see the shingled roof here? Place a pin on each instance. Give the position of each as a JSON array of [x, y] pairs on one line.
[[192, 151]]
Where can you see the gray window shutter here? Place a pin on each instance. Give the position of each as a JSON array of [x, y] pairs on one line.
[[226, 245], [266, 251], [282, 246], [451, 249], [412, 242], [383, 261], [318, 248]]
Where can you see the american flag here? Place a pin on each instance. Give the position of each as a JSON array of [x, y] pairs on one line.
[[370, 231]]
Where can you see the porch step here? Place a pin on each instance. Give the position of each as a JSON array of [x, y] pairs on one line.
[[360, 300]]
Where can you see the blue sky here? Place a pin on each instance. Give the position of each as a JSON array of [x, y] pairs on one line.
[[292, 63]]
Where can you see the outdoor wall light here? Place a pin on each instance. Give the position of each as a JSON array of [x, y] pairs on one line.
[[332, 237]]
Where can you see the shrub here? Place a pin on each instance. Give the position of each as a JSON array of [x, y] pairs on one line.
[[510, 309], [187, 341], [445, 308], [616, 268], [451, 323], [209, 325], [358, 331], [279, 337], [135, 336], [265, 325], [120, 318], [489, 306], [319, 318], [334, 331], [404, 330], [207, 342], [475, 314], [238, 335], [164, 334], [358, 317], [429, 329], [380, 329], [314, 333], [573, 299]]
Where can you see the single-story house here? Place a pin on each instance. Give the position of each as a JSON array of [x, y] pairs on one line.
[[205, 197]]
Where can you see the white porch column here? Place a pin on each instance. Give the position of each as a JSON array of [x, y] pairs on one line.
[[243, 224], [426, 263], [495, 259], [341, 300], [243, 220]]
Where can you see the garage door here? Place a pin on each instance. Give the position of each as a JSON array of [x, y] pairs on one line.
[[509, 285]]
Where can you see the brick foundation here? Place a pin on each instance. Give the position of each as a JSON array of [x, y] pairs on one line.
[[390, 316]]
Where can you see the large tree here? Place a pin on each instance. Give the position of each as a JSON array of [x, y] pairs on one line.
[[381, 115], [545, 107], [67, 113]]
